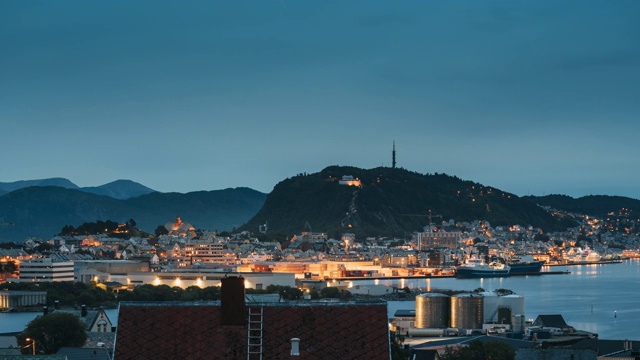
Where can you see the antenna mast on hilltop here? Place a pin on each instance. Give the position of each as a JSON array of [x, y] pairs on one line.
[[393, 156]]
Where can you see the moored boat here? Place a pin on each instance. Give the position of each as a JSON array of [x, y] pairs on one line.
[[524, 264], [477, 268]]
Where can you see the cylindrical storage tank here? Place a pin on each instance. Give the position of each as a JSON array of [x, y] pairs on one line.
[[467, 311], [514, 302], [491, 302], [517, 323], [432, 311]]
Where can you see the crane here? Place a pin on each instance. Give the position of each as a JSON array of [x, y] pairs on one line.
[[430, 215]]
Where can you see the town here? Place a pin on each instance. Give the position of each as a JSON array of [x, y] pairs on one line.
[[182, 256]]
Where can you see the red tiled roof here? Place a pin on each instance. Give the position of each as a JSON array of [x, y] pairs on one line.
[[193, 331]]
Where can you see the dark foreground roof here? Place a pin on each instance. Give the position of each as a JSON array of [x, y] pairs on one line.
[[555, 354], [193, 331], [85, 353]]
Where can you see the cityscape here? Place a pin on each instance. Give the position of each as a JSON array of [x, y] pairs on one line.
[[397, 180]]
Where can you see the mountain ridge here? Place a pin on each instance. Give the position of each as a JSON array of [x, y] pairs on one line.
[[118, 189], [43, 211]]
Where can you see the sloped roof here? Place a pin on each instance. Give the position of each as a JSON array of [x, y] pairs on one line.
[[349, 330], [556, 321], [553, 354], [85, 353], [606, 347]]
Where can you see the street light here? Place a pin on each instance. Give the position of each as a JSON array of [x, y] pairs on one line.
[[33, 345]]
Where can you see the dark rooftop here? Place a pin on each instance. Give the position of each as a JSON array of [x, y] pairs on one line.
[[170, 330]]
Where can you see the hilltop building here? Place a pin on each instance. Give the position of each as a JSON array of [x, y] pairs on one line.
[[349, 180]]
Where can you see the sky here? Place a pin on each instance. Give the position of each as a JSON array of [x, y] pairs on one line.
[[531, 97]]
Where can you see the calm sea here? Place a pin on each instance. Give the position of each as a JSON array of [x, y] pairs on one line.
[[604, 299]]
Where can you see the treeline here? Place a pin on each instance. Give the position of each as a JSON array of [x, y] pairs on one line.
[[69, 294], [110, 227], [75, 294]]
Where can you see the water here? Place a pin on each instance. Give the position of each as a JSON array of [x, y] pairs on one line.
[[588, 298]]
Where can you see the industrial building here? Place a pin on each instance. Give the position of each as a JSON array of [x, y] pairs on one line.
[[439, 314]]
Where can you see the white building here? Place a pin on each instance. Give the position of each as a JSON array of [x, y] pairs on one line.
[[45, 270]]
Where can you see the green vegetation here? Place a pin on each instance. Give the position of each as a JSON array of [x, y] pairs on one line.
[[478, 350], [391, 202], [51, 332], [8, 267], [108, 227], [595, 205], [69, 294], [75, 294]]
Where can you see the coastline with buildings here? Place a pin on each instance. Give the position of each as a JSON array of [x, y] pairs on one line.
[[401, 271]]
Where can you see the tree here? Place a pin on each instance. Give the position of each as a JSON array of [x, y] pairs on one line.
[[161, 230], [53, 331], [494, 350], [397, 350], [10, 267]]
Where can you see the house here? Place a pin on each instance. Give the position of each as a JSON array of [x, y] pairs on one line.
[[94, 320], [233, 329]]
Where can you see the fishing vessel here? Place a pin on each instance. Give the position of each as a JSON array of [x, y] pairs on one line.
[[524, 264], [478, 268]]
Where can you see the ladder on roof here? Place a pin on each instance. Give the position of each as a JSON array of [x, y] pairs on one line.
[[254, 333]]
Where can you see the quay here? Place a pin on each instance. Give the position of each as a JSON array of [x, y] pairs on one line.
[[359, 278], [599, 262], [356, 278]]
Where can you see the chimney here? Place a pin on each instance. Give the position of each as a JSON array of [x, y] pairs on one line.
[[83, 312], [56, 304], [232, 299], [45, 310], [295, 347]]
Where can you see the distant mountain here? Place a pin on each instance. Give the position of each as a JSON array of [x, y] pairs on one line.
[[17, 185], [391, 202], [120, 189], [594, 205], [43, 211]]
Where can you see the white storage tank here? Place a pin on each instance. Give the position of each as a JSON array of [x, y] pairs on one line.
[[499, 308], [432, 311], [467, 311], [514, 302], [490, 307]]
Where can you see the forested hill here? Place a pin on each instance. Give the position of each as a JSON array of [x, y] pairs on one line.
[[391, 202], [594, 205]]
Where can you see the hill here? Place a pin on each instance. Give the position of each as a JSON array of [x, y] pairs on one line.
[[43, 211], [391, 202], [120, 189], [594, 205]]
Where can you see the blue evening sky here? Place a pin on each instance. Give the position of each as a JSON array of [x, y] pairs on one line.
[[531, 97]]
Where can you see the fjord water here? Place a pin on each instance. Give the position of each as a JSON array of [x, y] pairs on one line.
[[604, 299]]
